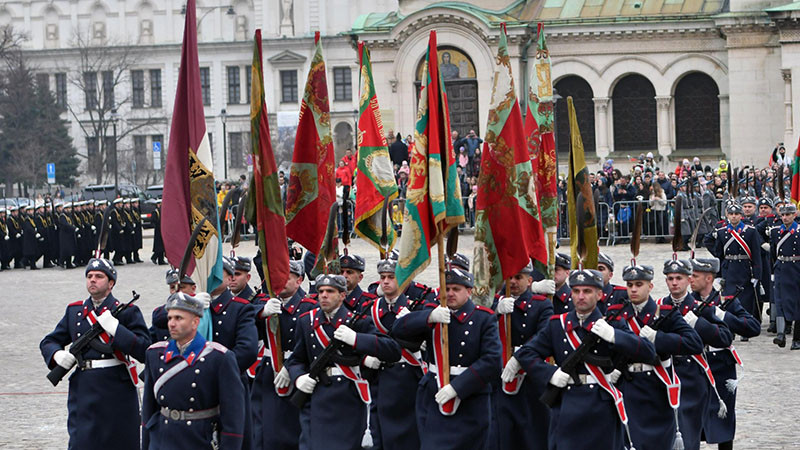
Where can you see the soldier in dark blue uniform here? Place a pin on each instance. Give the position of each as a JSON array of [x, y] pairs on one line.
[[117, 235], [612, 294], [353, 271], [240, 286], [337, 413], [562, 299], [30, 238], [785, 250], [4, 239], [45, 240], [737, 246], [103, 403], [414, 290], [158, 241], [522, 420], [722, 361], [67, 237], [14, 224], [276, 422], [765, 221], [586, 415], [192, 397], [136, 223], [458, 414], [187, 286]]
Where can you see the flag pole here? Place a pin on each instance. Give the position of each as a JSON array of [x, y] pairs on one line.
[[444, 371], [507, 327]]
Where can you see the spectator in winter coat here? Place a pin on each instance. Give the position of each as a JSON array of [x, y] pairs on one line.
[[398, 152]]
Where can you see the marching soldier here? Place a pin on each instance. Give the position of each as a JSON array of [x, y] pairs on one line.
[[158, 241], [612, 294], [193, 398], [765, 222], [736, 245], [67, 237], [443, 410], [522, 419], [188, 287], [40, 218], [415, 290], [103, 403], [749, 211], [78, 256], [276, 422], [130, 231], [353, 272], [688, 207], [785, 249], [4, 239], [54, 239], [117, 235], [562, 299], [721, 361], [14, 223], [241, 277], [136, 221], [690, 365], [337, 411], [586, 415], [30, 238]]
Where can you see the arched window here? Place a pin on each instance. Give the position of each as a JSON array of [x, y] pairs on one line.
[[634, 106], [581, 93], [697, 113]]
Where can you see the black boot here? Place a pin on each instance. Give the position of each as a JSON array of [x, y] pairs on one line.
[[788, 327], [795, 345], [153, 258], [771, 328], [136, 257], [780, 340]]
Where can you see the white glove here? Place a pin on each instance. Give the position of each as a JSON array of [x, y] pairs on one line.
[[511, 370], [205, 298], [64, 359], [445, 394], [372, 362], [648, 333], [559, 378], [108, 322], [38, 235], [120, 231], [19, 235], [305, 383], [765, 246], [720, 313], [690, 318], [547, 287], [282, 378], [613, 377], [94, 228], [754, 282], [505, 305], [602, 329], [273, 306], [403, 312], [346, 335], [423, 346], [440, 314], [6, 237]]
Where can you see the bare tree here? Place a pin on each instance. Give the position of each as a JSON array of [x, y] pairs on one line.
[[102, 74]]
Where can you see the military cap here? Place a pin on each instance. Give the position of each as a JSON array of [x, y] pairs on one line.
[[779, 201], [354, 262], [242, 264], [337, 282], [750, 200], [764, 201], [2, 210], [456, 275], [528, 269], [102, 265], [172, 276], [90, 201], [187, 280], [158, 201], [603, 258], [227, 265], [29, 207], [12, 208], [185, 302], [296, 267], [638, 272], [563, 260], [58, 204], [101, 202], [682, 183], [681, 266], [387, 265], [127, 201], [788, 208], [734, 208], [709, 265], [586, 277], [117, 201], [39, 205], [459, 260]]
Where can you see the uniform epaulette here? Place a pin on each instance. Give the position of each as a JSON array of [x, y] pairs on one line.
[[620, 288], [78, 303], [420, 285], [154, 309], [218, 347], [306, 313], [312, 296], [555, 317], [261, 296], [728, 297], [666, 307], [484, 309], [369, 295], [308, 300], [538, 297], [240, 300], [158, 344], [614, 307]]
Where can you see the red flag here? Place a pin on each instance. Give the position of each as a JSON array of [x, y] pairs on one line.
[[264, 207], [312, 187]]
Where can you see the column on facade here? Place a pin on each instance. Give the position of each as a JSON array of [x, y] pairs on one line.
[[787, 105], [664, 134], [601, 123], [724, 124]]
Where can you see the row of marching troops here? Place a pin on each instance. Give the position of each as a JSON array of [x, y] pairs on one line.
[[66, 234], [583, 363]]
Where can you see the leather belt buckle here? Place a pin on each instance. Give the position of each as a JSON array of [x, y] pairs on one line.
[[174, 414]]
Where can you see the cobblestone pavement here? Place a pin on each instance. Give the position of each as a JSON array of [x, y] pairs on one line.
[[34, 413]]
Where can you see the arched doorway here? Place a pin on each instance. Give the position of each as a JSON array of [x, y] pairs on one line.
[[697, 113], [634, 107], [342, 138], [461, 85], [582, 95]]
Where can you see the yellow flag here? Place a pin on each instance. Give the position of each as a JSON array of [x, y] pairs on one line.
[[580, 202]]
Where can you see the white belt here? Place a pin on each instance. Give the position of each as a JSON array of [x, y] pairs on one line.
[[715, 349], [517, 348], [286, 354], [334, 371], [585, 379], [737, 257], [788, 258], [454, 370], [641, 367], [100, 363]]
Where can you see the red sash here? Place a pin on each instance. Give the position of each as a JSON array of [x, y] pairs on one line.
[[251, 371], [449, 408], [105, 338], [742, 243], [362, 385], [405, 355], [512, 387], [575, 342], [673, 383], [272, 345]]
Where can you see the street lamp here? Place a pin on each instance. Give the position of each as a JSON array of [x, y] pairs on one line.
[[224, 116], [208, 9], [114, 119]]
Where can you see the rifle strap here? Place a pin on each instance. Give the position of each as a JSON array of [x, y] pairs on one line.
[[106, 339], [671, 381]]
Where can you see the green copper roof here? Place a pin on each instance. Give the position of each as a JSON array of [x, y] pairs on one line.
[[795, 6]]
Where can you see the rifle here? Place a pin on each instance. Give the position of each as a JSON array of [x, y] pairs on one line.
[[582, 354], [328, 357], [84, 342], [621, 361]]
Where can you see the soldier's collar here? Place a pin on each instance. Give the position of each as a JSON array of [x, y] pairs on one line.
[[463, 313], [221, 302], [189, 354]]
